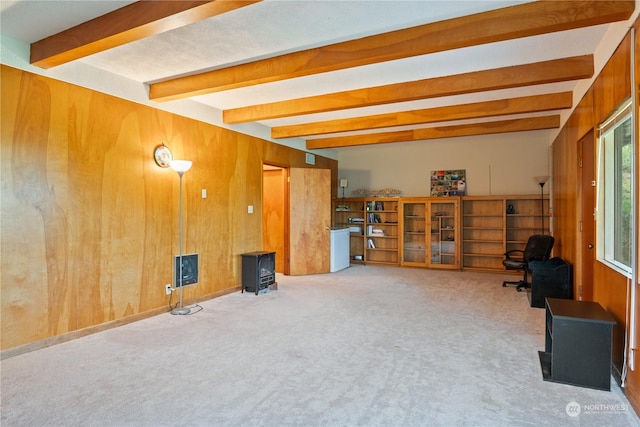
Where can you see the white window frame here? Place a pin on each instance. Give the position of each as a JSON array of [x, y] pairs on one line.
[[608, 193]]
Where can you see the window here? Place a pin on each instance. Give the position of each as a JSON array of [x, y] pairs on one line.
[[615, 197]]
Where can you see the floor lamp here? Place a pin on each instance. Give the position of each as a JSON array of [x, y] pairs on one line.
[[541, 180], [180, 166]]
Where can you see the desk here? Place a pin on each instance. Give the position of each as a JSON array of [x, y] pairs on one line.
[[578, 337]]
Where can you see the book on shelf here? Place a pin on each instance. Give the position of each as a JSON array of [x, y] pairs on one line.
[[355, 229], [370, 244], [371, 231], [377, 232]]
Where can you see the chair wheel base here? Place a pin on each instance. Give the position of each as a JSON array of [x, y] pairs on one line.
[[520, 285]]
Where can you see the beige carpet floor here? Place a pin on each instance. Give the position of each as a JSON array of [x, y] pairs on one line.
[[366, 346]]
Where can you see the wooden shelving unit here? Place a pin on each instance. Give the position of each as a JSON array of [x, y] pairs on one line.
[[381, 232], [471, 233], [525, 220], [493, 225], [414, 233], [483, 233], [430, 232], [349, 212], [374, 228]]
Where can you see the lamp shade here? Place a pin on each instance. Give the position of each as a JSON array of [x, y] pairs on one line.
[[180, 166], [343, 183], [541, 179]]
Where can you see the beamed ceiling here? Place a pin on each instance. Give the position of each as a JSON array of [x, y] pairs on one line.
[[338, 73]]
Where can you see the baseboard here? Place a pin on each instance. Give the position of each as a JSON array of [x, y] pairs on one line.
[[633, 397], [213, 295], [59, 339], [629, 390]]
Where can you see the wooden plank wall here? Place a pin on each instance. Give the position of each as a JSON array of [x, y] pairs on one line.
[[611, 87], [90, 222]]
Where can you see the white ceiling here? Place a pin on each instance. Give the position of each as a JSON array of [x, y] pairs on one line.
[[275, 27]]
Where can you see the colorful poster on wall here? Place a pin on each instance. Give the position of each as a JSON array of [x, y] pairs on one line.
[[448, 182]]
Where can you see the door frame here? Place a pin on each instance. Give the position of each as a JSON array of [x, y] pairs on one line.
[[583, 275], [286, 212]]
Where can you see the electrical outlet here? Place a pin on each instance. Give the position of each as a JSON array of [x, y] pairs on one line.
[[167, 289]]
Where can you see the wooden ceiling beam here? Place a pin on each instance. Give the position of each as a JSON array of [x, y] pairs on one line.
[[553, 71], [528, 19], [485, 128], [125, 25], [501, 107]]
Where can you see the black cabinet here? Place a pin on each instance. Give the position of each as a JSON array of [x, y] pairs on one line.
[[577, 344], [549, 279], [258, 271]]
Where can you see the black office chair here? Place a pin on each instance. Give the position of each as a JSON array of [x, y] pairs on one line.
[[538, 248]]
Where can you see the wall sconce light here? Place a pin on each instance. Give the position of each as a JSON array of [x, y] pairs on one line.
[[541, 180], [180, 166], [343, 185]]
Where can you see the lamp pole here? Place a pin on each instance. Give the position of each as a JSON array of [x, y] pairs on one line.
[[180, 166], [541, 180], [542, 206]]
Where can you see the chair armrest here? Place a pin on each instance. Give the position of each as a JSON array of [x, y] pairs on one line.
[[509, 254]]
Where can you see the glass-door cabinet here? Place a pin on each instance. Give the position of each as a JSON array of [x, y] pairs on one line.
[[430, 232], [414, 238], [445, 233]]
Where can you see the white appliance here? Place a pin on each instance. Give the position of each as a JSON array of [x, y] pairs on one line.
[[339, 249]]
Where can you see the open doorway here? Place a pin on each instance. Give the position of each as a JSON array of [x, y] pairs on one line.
[[275, 214], [296, 218]]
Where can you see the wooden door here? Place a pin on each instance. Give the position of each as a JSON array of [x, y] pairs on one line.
[[587, 253], [309, 221]]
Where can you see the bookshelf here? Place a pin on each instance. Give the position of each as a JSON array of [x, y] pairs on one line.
[[349, 212], [493, 225], [373, 224], [469, 232], [381, 230]]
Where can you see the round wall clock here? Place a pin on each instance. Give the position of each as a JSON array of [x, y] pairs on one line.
[[162, 155]]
